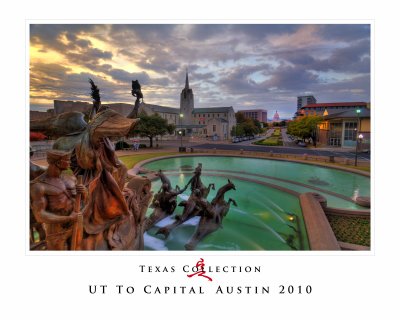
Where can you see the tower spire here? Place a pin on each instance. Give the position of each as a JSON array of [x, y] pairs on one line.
[[187, 80]]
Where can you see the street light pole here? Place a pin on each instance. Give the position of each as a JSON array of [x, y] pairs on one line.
[[181, 131], [359, 140], [357, 137]]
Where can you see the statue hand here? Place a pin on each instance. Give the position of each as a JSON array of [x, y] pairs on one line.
[[80, 188], [73, 216]]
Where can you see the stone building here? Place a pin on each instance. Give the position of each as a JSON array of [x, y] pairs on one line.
[[255, 114], [319, 109], [343, 128], [276, 117], [40, 115], [215, 123]]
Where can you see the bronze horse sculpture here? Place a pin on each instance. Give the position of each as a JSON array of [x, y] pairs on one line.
[[191, 209], [212, 215], [164, 202]]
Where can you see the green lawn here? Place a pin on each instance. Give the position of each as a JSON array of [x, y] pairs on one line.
[[351, 229], [131, 160]]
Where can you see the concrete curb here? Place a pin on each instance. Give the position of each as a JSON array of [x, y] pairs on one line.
[[320, 234]]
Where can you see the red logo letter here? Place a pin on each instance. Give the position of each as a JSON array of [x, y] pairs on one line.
[[201, 273]]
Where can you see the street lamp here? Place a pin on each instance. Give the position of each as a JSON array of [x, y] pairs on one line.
[[181, 131], [359, 140], [358, 111]]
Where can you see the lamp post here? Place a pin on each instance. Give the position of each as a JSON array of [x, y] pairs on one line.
[[359, 140], [358, 111], [180, 131]]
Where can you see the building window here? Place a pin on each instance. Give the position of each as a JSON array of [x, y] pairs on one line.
[[350, 131], [208, 115], [335, 134], [214, 128]]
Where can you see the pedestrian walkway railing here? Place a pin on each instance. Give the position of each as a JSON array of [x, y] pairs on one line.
[[271, 154]]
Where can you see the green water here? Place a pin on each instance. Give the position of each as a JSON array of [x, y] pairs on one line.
[[261, 220]]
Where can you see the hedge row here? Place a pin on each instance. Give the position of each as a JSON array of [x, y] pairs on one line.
[[271, 141]]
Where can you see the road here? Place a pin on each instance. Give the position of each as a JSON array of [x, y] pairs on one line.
[[287, 150]]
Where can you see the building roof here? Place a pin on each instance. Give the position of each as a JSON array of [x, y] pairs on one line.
[[365, 113], [222, 120], [335, 104], [212, 110], [252, 110]]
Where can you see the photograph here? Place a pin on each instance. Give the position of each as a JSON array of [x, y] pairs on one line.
[[200, 137], [199, 160]]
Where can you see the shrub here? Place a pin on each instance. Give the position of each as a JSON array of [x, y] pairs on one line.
[[271, 141], [120, 145]]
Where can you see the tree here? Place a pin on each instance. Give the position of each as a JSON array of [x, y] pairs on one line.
[[152, 126], [237, 131], [305, 127], [245, 126], [240, 118], [249, 127], [258, 125]]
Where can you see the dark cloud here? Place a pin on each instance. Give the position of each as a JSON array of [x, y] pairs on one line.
[[229, 64], [353, 58], [345, 32], [292, 78], [124, 76]]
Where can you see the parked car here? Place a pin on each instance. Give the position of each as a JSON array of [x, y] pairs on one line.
[[301, 144]]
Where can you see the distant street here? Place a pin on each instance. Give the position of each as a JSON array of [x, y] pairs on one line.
[[287, 150]]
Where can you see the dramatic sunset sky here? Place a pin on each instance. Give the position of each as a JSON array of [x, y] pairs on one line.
[[244, 66]]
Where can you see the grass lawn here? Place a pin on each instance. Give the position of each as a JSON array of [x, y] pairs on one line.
[[131, 160], [351, 229]]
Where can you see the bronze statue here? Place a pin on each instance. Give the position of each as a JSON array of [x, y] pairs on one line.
[[138, 195], [212, 215], [95, 94], [114, 214], [137, 93], [164, 202], [92, 150], [35, 228], [196, 183], [53, 197], [66, 123], [108, 221], [199, 191]]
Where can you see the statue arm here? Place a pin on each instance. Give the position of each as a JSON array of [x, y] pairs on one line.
[[39, 204]]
